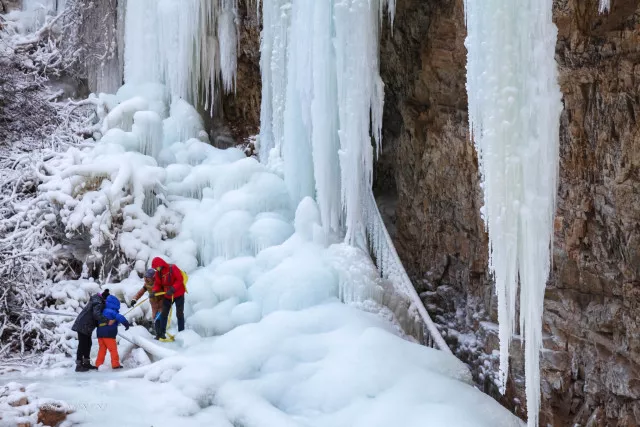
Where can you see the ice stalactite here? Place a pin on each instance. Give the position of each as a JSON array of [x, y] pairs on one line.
[[322, 100], [187, 45], [324, 135], [228, 39], [296, 152], [273, 69], [514, 111], [360, 103], [604, 6]]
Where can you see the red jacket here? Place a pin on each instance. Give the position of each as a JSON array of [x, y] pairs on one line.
[[167, 276]]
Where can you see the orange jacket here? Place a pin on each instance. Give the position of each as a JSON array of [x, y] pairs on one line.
[[156, 302]]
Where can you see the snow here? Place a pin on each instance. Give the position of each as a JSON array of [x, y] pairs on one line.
[[514, 110], [329, 365]]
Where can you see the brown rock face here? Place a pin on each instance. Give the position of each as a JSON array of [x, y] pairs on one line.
[[591, 365], [238, 115]]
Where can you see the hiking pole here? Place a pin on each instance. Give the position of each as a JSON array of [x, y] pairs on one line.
[[137, 305], [166, 328], [140, 303]]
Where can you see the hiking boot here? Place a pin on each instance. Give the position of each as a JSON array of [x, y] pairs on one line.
[[80, 366], [87, 364], [118, 367]]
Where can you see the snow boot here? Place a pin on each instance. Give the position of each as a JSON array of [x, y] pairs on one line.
[[87, 364], [80, 366], [118, 367]]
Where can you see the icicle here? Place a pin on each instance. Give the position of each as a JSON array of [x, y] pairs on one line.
[[147, 127], [514, 111], [605, 6], [359, 101], [228, 37], [187, 45]]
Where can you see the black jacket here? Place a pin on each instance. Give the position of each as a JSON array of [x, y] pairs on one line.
[[90, 316]]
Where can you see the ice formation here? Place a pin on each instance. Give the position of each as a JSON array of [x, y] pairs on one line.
[[187, 45], [514, 111], [322, 101]]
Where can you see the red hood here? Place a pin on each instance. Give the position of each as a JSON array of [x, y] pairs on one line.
[[159, 262]]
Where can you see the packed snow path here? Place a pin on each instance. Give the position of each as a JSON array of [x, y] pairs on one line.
[[268, 341]]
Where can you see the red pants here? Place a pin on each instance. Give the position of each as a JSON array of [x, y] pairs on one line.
[[108, 344]]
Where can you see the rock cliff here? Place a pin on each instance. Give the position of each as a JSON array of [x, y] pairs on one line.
[[591, 362]]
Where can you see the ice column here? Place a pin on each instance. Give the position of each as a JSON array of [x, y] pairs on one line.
[[273, 62], [514, 111], [296, 151], [324, 133]]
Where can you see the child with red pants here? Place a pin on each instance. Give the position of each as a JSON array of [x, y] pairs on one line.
[[107, 333]]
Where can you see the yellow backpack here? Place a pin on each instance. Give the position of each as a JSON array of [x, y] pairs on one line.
[[185, 277]]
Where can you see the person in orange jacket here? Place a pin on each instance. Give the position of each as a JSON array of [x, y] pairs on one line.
[[156, 301], [168, 279]]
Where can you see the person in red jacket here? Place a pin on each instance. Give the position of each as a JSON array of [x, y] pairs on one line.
[[168, 279]]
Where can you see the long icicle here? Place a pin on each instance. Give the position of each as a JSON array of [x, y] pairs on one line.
[[514, 114]]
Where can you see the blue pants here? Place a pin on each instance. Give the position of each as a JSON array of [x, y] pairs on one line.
[[163, 317]]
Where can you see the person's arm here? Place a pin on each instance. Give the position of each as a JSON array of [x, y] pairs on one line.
[[140, 293], [122, 320], [176, 276]]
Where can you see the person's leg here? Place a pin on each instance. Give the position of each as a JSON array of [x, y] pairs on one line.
[[113, 351], [180, 312], [102, 351], [84, 346], [84, 349], [164, 317]]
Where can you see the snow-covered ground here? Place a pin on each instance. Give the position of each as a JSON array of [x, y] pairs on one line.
[[268, 342]]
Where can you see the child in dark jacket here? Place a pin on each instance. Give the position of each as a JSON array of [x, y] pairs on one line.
[[107, 333]]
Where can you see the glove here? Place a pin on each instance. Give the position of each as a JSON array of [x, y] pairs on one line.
[[152, 294], [171, 290], [126, 327], [133, 303]]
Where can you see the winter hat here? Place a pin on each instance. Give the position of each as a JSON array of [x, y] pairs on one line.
[[105, 293], [150, 273]]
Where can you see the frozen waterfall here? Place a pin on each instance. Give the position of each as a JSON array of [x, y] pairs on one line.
[[514, 111]]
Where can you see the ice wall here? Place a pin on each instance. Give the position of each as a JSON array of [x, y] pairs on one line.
[[514, 111], [322, 100]]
